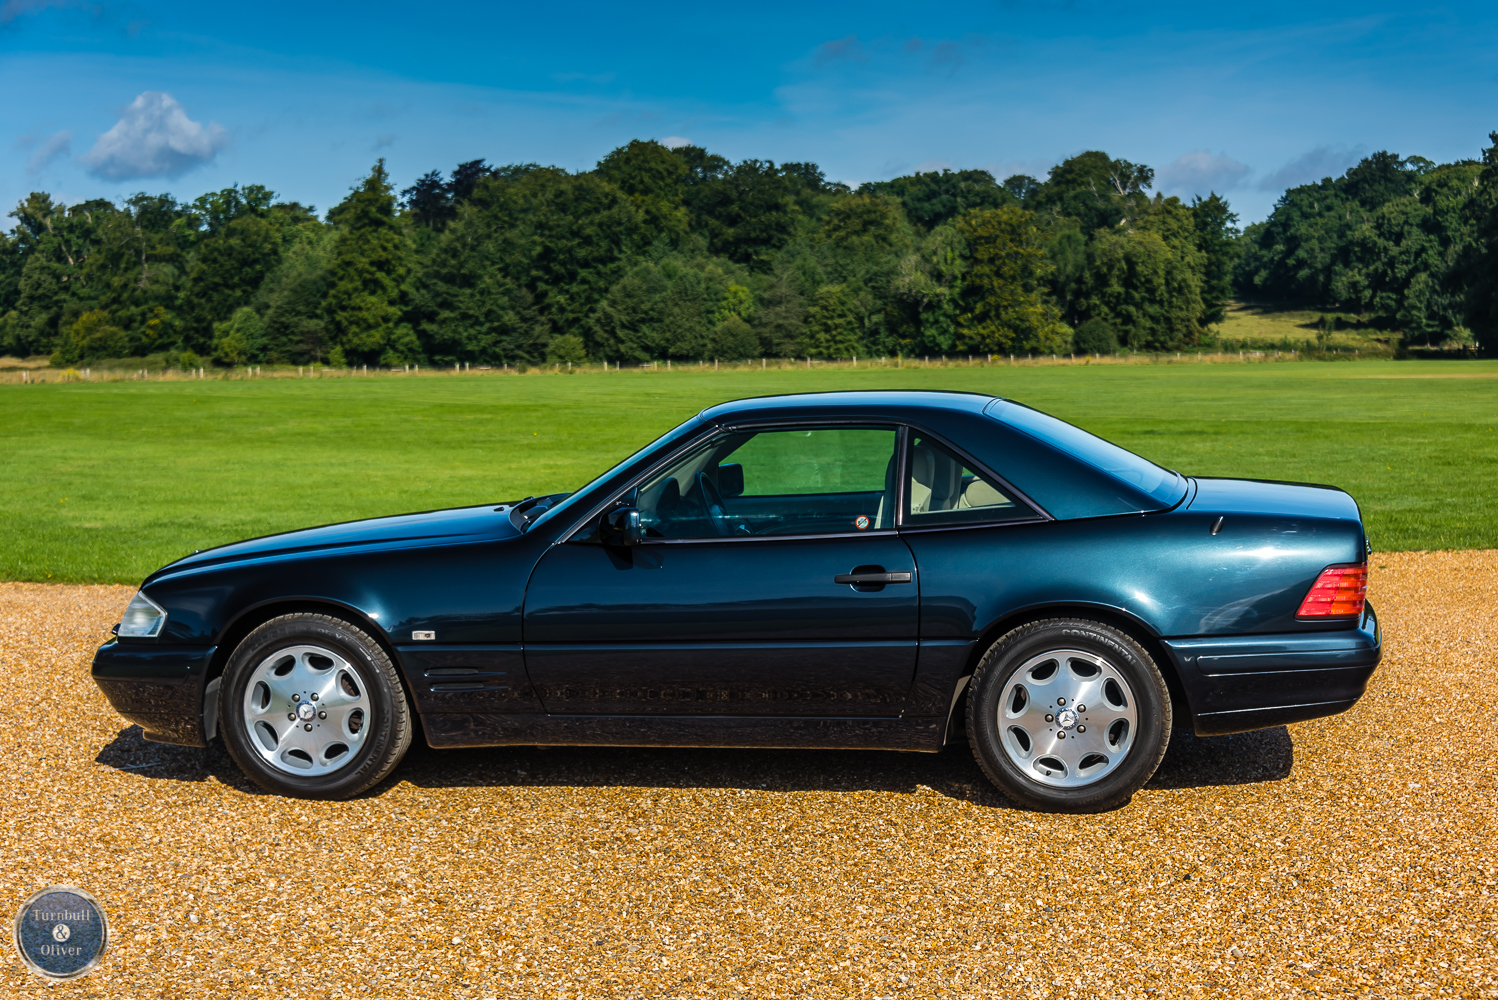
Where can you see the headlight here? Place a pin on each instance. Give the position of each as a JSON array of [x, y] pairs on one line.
[[143, 618]]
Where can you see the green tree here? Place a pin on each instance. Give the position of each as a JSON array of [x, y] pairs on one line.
[[367, 266], [92, 336], [1480, 259], [1145, 288], [1302, 252], [928, 286], [239, 339], [733, 340], [464, 303], [56, 242], [747, 210], [566, 348], [865, 224], [137, 268], [1007, 308], [627, 324], [1096, 336], [833, 324], [779, 317], [228, 271], [1217, 237], [934, 198], [565, 238], [654, 179], [737, 303], [291, 297], [1095, 189]]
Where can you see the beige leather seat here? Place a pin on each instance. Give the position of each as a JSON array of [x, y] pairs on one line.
[[980, 494], [935, 480]]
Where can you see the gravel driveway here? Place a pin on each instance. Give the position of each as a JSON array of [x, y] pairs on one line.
[[1348, 855]]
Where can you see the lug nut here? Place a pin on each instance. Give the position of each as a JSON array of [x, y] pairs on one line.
[[308, 727], [296, 697], [314, 695], [1061, 735], [1081, 729], [1080, 708], [1061, 701], [322, 715], [291, 716], [1050, 718]]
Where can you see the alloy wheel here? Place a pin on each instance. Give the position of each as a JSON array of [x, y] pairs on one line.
[[1067, 718], [306, 710]]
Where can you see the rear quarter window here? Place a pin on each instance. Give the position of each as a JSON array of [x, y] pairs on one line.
[[1143, 475]]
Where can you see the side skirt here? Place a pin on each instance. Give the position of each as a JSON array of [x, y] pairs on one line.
[[451, 729]]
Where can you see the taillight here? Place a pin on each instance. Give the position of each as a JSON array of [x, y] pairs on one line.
[[1338, 592]]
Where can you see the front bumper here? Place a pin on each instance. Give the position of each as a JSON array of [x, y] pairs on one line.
[[159, 688], [1240, 683]]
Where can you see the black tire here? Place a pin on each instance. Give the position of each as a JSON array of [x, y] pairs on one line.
[[1149, 730], [386, 731]]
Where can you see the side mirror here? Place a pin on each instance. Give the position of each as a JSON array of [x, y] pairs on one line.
[[621, 526], [731, 480]]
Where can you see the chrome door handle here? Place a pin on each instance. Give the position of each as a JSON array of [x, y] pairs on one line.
[[856, 578]]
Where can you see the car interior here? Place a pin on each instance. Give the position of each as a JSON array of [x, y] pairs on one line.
[[814, 482]]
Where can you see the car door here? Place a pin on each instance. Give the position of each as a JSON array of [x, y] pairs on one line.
[[769, 582]]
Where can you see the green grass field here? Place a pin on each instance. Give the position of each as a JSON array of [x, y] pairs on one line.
[[1259, 326], [104, 482]]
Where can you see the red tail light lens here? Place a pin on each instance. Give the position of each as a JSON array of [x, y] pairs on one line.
[[1339, 592]]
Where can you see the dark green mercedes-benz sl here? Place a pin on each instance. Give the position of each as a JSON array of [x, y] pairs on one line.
[[863, 569]]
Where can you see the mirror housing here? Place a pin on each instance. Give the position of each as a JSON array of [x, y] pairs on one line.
[[731, 480], [621, 526]]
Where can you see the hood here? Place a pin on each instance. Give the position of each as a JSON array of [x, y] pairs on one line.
[[488, 522], [1269, 497]]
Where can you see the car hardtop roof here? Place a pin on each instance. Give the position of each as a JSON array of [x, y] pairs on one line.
[[850, 401]]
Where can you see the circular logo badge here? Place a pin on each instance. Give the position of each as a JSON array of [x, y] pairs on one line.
[[861, 521], [61, 932]]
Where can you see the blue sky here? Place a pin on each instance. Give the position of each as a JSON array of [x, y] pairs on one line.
[[106, 99]]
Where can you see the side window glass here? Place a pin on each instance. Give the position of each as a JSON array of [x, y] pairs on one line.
[[941, 489], [811, 481]]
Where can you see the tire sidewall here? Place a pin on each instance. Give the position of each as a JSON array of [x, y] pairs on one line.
[[1151, 697], [387, 704]]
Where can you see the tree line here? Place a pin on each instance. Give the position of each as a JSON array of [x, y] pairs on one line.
[[680, 253]]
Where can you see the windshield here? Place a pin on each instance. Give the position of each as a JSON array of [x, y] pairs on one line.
[[1164, 485], [674, 434]]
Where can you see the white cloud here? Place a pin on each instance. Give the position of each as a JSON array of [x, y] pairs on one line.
[[154, 138], [675, 141], [55, 145], [1323, 161], [1200, 173]]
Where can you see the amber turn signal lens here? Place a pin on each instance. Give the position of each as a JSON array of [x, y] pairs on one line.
[[1339, 592]]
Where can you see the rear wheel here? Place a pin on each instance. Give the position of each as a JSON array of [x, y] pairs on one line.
[[311, 706], [1068, 715]]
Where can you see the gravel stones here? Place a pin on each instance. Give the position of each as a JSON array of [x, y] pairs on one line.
[[1351, 854]]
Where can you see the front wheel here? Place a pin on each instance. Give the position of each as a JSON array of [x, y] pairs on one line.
[[312, 707], [1068, 715]]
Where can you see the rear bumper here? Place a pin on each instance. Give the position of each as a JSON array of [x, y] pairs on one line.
[[159, 688], [1239, 683]]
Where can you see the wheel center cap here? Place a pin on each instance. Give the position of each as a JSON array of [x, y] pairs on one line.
[[305, 711], [1066, 718]]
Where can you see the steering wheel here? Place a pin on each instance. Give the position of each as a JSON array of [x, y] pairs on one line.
[[712, 503]]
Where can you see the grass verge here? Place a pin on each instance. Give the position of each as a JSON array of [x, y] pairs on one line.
[[103, 482]]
